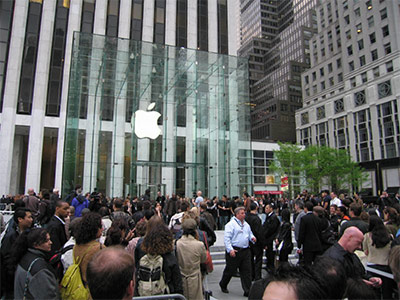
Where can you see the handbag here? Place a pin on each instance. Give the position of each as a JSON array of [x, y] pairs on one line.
[[208, 263]]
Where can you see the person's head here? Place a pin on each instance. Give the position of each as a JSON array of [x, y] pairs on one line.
[[351, 239], [140, 227], [293, 282], [224, 198], [246, 195], [390, 215], [355, 210], [199, 193], [110, 274], [333, 195], [269, 208], [73, 226], [191, 214], [23, 217], [56, 191], [185, 206], [78, 189], [62, 209], [331, 276], [37, 238], [309, 206], [285, 214], [117, 204], [154, 222], [189, 227], [253, 207], [158, 240], [146, 205], [341, 211], [394, 263], [203, 206], [72, 210], [299, 205], [240, 213], [85, 211], [89, 228], [117, 232], [380, 236], [319, 211], [104, 211], [333, 209], [31, 192]]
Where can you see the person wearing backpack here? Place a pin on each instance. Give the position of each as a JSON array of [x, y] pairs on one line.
[[88, 230], [34, 277], [157, 270]]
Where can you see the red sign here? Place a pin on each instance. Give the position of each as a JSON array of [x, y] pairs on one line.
[[268, 192], [284, 182]]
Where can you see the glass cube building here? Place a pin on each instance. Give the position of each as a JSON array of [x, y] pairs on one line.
[[203, 102]]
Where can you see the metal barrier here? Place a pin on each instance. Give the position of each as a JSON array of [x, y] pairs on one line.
[[161, 297], [379, 272]]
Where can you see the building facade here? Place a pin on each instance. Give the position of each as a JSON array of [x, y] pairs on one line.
[[37, 66], [278, 52], [351, 98]]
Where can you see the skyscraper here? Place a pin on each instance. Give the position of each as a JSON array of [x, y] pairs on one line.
[[350, 95]]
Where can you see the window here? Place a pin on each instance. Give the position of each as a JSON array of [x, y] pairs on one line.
[[359, 98], [348, 34], [369, 4], [340, 77], [375, 71], [314, 76], [385, 30], [371, 21], [321, 71], [339, 106], [387, 48], [372, 38], [339, 63], [359, 28], [383, 13], [322, 85], [320, 112], [374, 54], [304, 118], [360, 44], [330, 67], [362, 60], [307, 92], [384, 89], [389, 66], [350, 50], [364, 77], [331, 81], [353, 82], [306, 79], [323, 52], [351, 66], [357, 12], [345, 5], [347, 19]]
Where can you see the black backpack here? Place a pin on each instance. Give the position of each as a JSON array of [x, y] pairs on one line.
[[56, 263]]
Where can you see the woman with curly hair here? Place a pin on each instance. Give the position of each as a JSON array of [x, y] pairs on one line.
[[88, 230], [34, 277], [159, 241], [119, 233], [376, 246]]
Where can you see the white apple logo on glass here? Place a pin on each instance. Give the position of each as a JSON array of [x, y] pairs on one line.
[[146, 123]]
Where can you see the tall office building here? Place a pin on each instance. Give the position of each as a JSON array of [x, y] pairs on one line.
[[351, 95], [62, 57], [275, 36]]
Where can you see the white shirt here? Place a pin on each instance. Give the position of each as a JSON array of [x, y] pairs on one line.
[[336, 201]]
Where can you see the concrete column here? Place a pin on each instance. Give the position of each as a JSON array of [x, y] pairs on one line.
[[170, 23], [11, 94], [212, 26], [233, 17], [35, 147], [148, 21], [74, 21], [16, 164], [192, 25]]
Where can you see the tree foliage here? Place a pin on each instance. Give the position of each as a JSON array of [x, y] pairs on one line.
[[320, 165]]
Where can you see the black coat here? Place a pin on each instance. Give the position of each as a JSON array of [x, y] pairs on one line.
[[285, 235], [310, 233], [57, 233], [270, 228], [256, 228]]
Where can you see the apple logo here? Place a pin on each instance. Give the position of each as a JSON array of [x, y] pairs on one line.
[[146, 123]]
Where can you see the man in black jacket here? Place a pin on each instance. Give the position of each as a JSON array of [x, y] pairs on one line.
[[56, 226], [257, 248], [310, 235], [270, 229]]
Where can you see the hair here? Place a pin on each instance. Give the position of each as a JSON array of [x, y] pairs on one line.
[[331, 276], [364, 217], [60, 203], [300, 280], [87, 229], [20, 213], [146, 205], [73, 226], [154, 222], [253, 206], [238, 209], [285, 214], [115, 232], [28, 239], [246, 194], [300, 203], [204, 205], [158, 240], [343, 209], [380, 235], [184, 206], [309, 205], [357, 289], [45, 194], [393, 215], [394, 262], [191, 215], [356, 209], [104, 211], [109, 273], [118, 203], [140, 227]]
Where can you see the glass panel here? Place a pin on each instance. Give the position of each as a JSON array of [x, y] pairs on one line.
[[200, 114]]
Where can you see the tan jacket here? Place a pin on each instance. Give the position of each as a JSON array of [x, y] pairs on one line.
[[80, 250], [190, 254]]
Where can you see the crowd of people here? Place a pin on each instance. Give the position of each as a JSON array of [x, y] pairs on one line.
[[143, 246]]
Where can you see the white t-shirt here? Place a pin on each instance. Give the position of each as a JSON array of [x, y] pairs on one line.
[[336, 201]]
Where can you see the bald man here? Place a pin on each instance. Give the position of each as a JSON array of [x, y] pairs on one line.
[[343, 252], [110, 274]]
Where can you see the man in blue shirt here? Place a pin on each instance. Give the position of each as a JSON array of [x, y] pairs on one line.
[[237, 237]]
